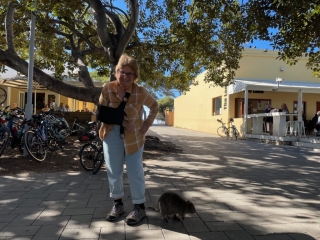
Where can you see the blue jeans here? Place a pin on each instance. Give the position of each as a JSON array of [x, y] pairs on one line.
[[114, 155]]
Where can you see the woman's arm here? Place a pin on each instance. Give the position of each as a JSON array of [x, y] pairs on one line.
[[152, 104]]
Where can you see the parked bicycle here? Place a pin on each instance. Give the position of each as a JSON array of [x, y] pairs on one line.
[[230, 132], [11, 129], [90, 150], [77, 128], [41, 137], [98, 161]]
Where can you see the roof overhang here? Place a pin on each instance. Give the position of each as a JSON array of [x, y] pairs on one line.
[[12, 79], [268, 85]]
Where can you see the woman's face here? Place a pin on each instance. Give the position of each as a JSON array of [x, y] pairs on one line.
[[125, 76]]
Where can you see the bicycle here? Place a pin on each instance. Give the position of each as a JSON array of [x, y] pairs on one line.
[[11, 129], [77, 128], [98, 161], [40, 138], [89, 151], [230, 132]]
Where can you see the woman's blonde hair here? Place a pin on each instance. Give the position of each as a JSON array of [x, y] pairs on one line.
[[126, 60]]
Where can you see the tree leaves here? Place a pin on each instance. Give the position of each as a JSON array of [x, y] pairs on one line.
[[173, 40]]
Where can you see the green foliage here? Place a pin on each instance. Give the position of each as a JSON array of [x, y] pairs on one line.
[[173, 41], [100, 76], [164, 103], [291, 26], [160, 117]]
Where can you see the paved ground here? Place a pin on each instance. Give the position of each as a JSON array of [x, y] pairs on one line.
[[241, 190]]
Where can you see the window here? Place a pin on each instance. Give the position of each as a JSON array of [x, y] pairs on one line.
[[217, 106]]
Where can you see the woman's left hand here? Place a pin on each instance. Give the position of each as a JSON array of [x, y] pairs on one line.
[[144, 128]]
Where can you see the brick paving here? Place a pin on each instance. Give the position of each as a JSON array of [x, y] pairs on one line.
[[241, 190]]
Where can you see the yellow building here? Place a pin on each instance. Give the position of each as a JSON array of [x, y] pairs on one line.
[[254, 86]]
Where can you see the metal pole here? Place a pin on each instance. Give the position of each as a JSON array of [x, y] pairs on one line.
[[30, 67]]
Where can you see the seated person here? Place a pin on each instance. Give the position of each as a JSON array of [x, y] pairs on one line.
[[61, 108], [316, 122], [46, 108], [14, 106], [269, 120], [67, 108]]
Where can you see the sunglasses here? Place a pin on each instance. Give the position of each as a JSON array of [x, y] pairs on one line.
[[128, 74]]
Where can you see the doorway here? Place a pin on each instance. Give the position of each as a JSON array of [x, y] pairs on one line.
[[318, 106], [37, 99], [254, 106]]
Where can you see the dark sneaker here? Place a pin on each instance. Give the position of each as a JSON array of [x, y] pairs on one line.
[[136, 215], [116, 211]]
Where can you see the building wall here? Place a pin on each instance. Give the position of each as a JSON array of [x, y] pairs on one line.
[[256, 64], [194, 110]]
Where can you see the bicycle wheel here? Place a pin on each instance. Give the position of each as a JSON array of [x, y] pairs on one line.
[[3, 95], [222, 132], [35, 146], [4, 139], [53, 141], [233, 132], [98, 161], [87, 154]]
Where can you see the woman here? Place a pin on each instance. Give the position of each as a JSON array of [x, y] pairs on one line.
[[129, 149], [285, 109]]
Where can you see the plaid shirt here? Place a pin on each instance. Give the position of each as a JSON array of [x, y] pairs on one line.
[[134, 110]]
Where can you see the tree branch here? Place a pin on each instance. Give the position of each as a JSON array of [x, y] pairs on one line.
[[9, 28], [119, 29], [90, 94], [102, 24], [129, 30]]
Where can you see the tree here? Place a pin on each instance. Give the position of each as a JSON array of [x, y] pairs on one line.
[[173, 41], [291, 27], [164, 103]]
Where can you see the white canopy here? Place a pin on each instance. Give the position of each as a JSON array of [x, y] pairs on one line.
[[268, 85], [245, 86]]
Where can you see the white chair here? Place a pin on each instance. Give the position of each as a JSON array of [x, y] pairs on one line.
[[290, 125], [299, 129]]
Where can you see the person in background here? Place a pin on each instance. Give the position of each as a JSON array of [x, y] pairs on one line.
[[61, 108], [130, 148], [269, 120], [14, 106], [46, 108], [285, 109], [316, 122], [52, 103], [67, 108]]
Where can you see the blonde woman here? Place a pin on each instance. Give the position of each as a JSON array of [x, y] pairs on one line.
[[285, 109], [129, 150]]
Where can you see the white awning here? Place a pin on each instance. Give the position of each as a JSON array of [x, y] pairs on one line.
[[268, 85]]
